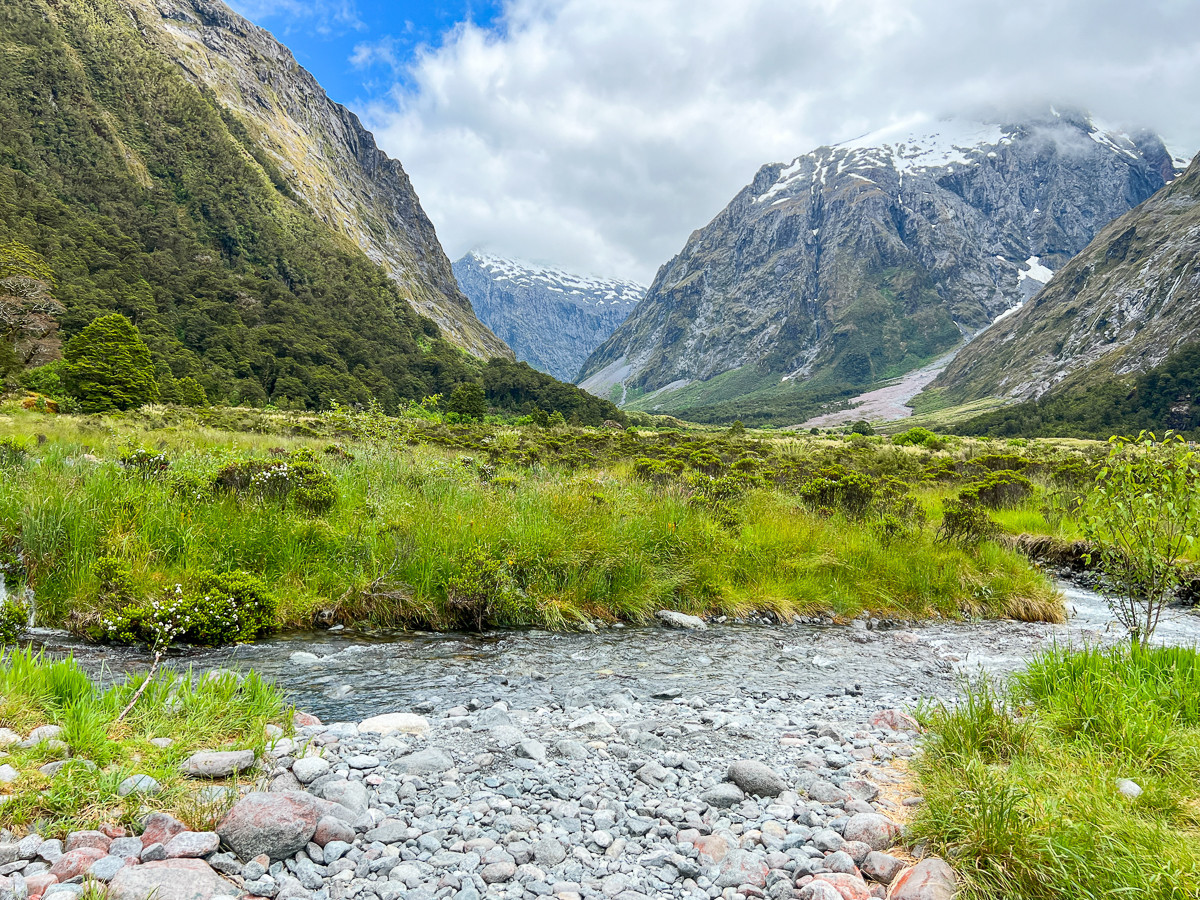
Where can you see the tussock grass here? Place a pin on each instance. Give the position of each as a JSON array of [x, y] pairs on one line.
[[570, 543], [1020, 783], [220, 711]]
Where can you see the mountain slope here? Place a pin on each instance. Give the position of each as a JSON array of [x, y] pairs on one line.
[[145, 197], [321, 149], [1121, 306], [862, 261], [550, 318]]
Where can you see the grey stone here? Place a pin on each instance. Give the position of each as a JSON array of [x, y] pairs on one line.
[[217, 763], [138, 784], [1129, 788], [680, 620], [755, 777], [424, 762], [106, 869], [310, 768]]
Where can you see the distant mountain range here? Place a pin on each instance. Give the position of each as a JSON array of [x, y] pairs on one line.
[[550, 318], [859, 262]]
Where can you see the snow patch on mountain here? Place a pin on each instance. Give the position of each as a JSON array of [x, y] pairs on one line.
[[586, 290]]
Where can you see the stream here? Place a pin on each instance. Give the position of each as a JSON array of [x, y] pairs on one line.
[[350, 675]]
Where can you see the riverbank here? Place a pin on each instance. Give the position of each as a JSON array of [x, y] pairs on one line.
[[365, 520]]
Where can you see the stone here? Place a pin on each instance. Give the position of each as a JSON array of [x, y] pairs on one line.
[[881, 867], [1129, 788], [153, 853], [138, 784], [850, 887], [105, 868], [742, 867], [504, 736], [755, 777], [43, 733], [894, 720], [192, 845], [930, 879], [498, 872], [309, 768], [548, 853], [8, 737], [275, 824], [569, 749], [36, 885], [861, 790], [217, 763], [393, 723], [825, 792], [331, 829], [176, 879], [673, 619], [712, 848], [530, 749], [723, 795], [158, 828], [871, 828], [125, 847], [8, 774], [75, 862], [97, 840], [424, 762], [352, 795], [818, 890]]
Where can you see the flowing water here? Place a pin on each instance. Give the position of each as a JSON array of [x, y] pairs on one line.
[[350, 675]]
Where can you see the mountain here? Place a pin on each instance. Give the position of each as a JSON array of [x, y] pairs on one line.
[[1119, 307], [861, 261], [143, 194], [320, 148], [550, 318]]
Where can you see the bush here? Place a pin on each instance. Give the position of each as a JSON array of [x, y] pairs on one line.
[[475, 593], [107, 366], [13, 619], [468, 401], [921, 437], [836, 488], [146, 462], [13, 451], [1000, 490], [965, 524], [312, 489]]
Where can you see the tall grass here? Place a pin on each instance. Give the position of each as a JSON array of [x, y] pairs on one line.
[[213, 712], [1021, 784], [576, 545]]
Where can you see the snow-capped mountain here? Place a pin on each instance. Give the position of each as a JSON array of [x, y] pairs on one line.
[[863, 260], [550, 318]]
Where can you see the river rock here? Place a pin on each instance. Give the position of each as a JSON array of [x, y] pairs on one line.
[[531, 749], [8, 774], [159, 828], [106, 868], [192, 845], [742, 867], [871, 828], [818, 890], [930, 879], [712, 848], [217, 763], [723, 795], [352, 795], [424, 762], [755, 777], [881, 867], [895, 720], [275, 824], [548, 853], [310, 768], [75, 862], [825, 792], [392, 723], [498, 872], [673, 619], [176, 879], [1129, 788], [8, 737], [138, 784], [850, 887], [96, 840]]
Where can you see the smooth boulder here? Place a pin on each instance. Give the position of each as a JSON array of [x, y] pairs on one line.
[[930, 879], [177, 879], [217, 763], [396, 723], [683, 621], [275, 824], [756, 777]]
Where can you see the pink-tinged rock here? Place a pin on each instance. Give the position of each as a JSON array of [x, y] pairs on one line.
[[36, 884], [76, 862], [741, 867], [96, 840], [711, 847], [304, 720], [881, 867], [895, 719], [818, 890], [176, 879], [192, 845], [160, 828], [275, 824], [871, 828], [930, 879], [114, 831], [850, 887], [332, 829], [857, 851]]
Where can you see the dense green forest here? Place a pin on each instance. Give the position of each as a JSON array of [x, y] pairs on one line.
[[1163, 398]]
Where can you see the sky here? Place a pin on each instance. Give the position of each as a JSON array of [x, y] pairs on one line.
[[596, 135]]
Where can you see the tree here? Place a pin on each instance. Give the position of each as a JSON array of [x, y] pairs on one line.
[[1142, 516], [107, 366], [468, 401], [28, 312]]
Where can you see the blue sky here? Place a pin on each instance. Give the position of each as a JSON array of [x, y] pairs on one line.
[[359, 50]]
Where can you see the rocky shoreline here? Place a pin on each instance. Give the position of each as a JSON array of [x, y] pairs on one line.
[[625, 796]]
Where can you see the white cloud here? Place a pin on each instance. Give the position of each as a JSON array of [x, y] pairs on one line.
[[597, 134]]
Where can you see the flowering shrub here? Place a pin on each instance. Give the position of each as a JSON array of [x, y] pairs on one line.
[[146, 462], [298, 477]]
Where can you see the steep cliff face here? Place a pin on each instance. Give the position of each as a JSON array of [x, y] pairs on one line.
[[322, 150], [862, 261], [550, 318], [1124, 303]]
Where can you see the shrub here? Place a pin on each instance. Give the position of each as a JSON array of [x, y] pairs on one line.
[[13, 619], [475, 593], [146, 462], [107, 366], [922, 437], [1000, 490], [313, 489], [468, 401], [836, 488], [965, 524], [13, 451], [45, 379]]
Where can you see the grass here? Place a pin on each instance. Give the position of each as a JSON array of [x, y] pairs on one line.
[[561, 521], [214, 712], [1020, 783]]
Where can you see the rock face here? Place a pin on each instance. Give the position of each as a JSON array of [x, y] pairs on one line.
[[321, 149], [862, 260], [550, 318], [1119, 307]]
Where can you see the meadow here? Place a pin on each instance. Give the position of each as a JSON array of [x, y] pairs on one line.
[[364, 519]]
